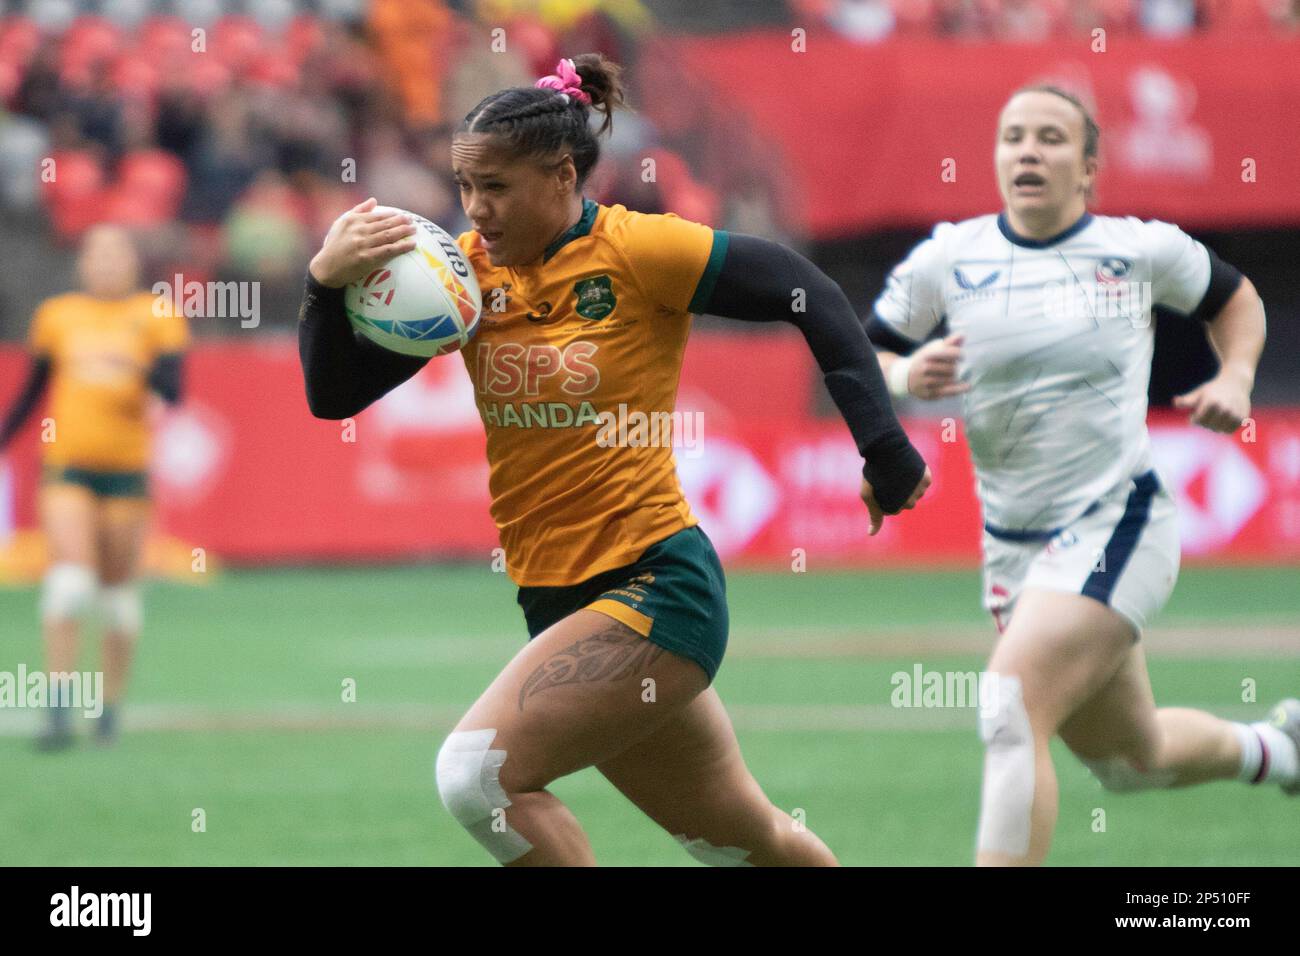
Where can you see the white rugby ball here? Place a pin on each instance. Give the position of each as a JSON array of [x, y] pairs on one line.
[[424, 302]]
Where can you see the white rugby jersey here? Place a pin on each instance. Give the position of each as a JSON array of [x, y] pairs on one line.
[[1058, 350]]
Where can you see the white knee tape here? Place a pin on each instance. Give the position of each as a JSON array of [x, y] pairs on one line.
[[122, 608], [1008, 793], [1119, 776], [711, 855], [68, 592], [468, 775]]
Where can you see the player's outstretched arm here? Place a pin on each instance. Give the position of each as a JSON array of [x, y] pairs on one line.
[[1237, 333], [37, 378], [764, 281], [344, 373]]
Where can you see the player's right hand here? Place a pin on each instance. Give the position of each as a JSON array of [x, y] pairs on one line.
[[933, 372], [359, 241]]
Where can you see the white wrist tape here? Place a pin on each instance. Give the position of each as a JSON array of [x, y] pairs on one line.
[[898, 373]]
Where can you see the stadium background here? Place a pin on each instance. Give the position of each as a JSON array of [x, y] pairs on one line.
[[844, 128]]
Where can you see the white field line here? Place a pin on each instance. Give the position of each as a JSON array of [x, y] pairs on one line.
[[1237, 640], [1263, 640], [754, 718]]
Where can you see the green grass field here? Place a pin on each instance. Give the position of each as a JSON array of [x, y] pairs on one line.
[[237, 709]]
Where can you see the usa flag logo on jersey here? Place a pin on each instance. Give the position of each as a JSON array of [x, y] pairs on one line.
[[1113, 269]]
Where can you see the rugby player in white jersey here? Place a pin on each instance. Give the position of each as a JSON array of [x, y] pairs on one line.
[[1048, 340]]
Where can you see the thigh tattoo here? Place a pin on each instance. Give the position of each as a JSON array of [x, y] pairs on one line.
[[611, 654]]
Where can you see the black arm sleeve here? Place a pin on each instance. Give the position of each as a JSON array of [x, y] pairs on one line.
[[344, 372], [759, 282], [27, 399], [1224, 280], [166, 375], [883, 336]]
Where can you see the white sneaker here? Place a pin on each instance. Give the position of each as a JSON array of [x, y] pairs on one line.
[[1286, 718]]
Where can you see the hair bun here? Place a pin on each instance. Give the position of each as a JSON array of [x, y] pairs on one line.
[[602, 82]]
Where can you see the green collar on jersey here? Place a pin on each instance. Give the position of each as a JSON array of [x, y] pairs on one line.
[[579, 229]]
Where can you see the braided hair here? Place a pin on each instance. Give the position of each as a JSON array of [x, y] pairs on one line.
[[534, 122]]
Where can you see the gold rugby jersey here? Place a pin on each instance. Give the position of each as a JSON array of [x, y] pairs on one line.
[[575, 369]]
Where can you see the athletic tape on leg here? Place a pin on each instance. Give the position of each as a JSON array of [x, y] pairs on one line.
[[68, 591], [711, 855], [1008, 794], [122, 608], [468, 775]]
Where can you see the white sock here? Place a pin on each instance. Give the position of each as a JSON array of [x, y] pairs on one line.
[[1267, 754], [1252, 753]]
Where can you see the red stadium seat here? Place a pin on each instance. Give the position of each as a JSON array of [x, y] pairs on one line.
[[303, 37], [93, 38], [135, 75], [155, 176], [77, 75], [207, 76], [165, 39], [237, 41], [273, 68], [19, 38], [73, 196], [89, 43], [132, 205], [11, 76], [76, 173]]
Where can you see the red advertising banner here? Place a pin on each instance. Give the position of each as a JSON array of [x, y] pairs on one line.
[[244, 471], [1195, 131]]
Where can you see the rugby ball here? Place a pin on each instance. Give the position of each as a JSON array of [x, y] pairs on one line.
[[425, 302]]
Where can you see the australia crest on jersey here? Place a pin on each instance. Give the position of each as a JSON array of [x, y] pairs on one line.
[[596, 297]]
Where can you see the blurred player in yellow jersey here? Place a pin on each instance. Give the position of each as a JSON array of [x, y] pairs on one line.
[[587, 310], [102, 352]]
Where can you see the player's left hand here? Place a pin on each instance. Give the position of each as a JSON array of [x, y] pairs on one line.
[[873, 506], [1221, 404]]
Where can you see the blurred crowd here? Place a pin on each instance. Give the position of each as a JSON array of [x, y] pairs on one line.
[[230, 140], [870, 21], [230, 134]]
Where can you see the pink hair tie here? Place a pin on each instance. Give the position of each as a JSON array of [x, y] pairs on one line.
[[565, 81]]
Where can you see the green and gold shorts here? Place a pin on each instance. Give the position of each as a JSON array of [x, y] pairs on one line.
[[102, 484], [675, 595]]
